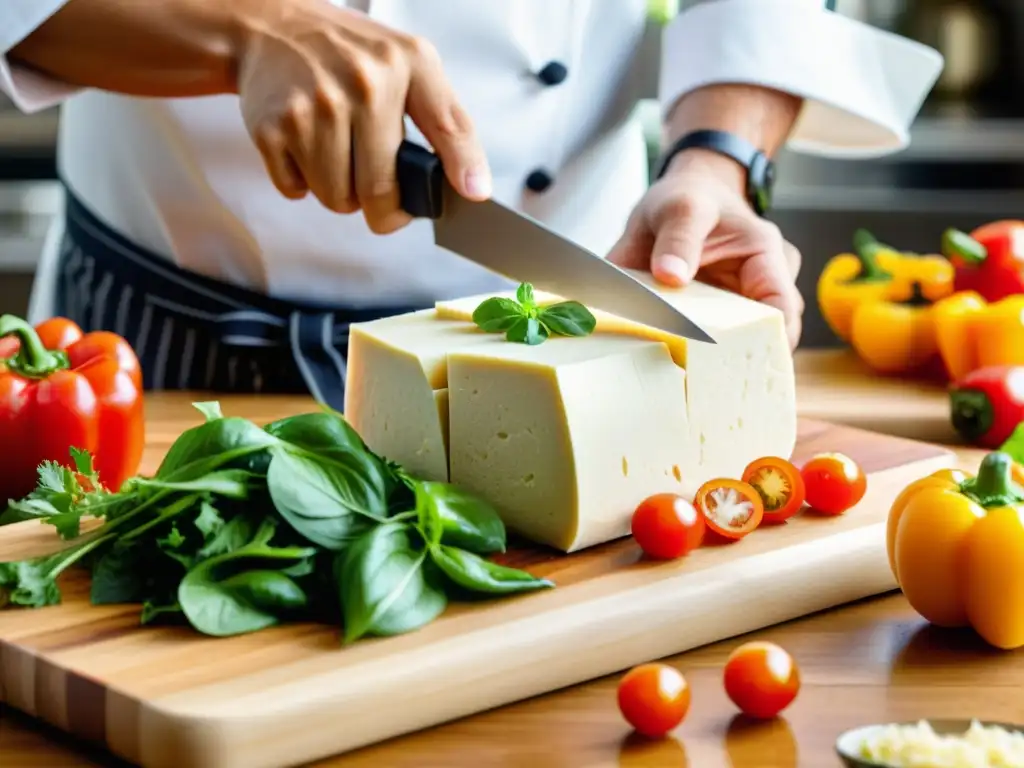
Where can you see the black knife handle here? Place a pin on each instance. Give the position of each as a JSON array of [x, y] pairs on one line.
[[420, 181]]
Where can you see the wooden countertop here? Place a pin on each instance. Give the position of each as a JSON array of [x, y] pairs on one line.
[[869, 662]]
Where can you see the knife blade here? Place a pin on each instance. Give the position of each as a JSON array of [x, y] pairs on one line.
[[524, 250]]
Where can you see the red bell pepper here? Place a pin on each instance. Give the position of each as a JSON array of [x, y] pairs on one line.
[[62, 389], [988, 404], [989, 261]]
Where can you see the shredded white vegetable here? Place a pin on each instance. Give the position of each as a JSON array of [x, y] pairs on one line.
[[919, 746]]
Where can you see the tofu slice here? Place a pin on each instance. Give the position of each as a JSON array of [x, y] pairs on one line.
[[567, 437], [396, 394]]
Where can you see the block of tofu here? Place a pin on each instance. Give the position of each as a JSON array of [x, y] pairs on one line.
[[567, 437]]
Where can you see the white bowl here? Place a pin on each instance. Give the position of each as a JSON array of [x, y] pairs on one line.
[[849, 742]]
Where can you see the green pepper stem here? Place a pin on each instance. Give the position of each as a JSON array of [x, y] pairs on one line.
[[917, 297], [960, 245], [994, 486], [867, 247], [33, 358], [971, 413]]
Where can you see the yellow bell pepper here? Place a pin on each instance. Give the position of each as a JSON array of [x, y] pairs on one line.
[[972, 334], [956, 548], [895, 337], [877, 272]]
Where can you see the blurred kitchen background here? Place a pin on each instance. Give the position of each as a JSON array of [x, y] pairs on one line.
[[965, 165]]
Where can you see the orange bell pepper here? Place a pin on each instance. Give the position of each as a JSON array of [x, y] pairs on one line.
[[972, 333], [956, 548]]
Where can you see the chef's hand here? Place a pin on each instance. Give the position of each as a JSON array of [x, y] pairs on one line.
[[323, 93], [695, 222]]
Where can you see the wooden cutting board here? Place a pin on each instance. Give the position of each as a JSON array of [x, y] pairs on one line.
[[167, 698]]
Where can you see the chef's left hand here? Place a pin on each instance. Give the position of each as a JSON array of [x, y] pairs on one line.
[[695, 222]]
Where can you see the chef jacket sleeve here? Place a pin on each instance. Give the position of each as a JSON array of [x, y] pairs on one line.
[[862, 86], [30, 91]]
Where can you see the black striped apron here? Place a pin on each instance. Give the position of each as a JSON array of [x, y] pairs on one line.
[[195, 333]]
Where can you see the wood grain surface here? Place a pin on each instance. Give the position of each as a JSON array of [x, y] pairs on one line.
[[849, 658]]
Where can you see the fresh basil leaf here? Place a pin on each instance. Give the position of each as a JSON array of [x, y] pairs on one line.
[[428, 517], [385, 588], [527, 330], [524, 295], [212, 445], [568, 318], [325, 433], [329, 503], [466, 521], [472, 572], [231, 483], [211, 410], [116, 576], [269, 590], [497, 314], [218, 598]]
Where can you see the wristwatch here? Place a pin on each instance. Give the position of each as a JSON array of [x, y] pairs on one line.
[[760, 170]]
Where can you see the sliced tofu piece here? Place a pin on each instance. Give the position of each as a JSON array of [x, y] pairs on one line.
[[567, 437], [395, 390]]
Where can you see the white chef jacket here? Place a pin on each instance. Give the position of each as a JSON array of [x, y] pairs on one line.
[[181, 177]]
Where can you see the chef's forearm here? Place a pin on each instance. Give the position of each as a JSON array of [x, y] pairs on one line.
[[158, 48], [762, 116]]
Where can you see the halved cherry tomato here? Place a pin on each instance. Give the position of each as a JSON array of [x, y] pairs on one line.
[[761, 678], [780, 486], [654, 698], [667, 526], [834, 483], [731, 508]]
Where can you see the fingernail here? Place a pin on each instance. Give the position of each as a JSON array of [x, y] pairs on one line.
[[676, 267], [478, 184]]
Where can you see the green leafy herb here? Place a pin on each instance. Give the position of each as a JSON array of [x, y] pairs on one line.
[[244, 527], [231, 594], [472, 572], [568, 318], [328, 502], [465, 520], [524, 321], [385, 588]]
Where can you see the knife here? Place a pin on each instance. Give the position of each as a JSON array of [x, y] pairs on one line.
[[525, 251]]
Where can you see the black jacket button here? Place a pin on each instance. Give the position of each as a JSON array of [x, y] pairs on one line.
[[539, 180], [553, 73]]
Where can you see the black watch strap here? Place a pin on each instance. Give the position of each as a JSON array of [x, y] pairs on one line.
[[760, 170]]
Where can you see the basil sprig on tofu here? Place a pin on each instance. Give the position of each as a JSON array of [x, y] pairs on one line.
[[523, 320]]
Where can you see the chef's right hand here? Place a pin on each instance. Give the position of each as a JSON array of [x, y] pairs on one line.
[[323, 93]]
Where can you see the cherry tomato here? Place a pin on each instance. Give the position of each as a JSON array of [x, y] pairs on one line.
[[762, 679], [731, 508], [667, 526], [780, 486], [654, 698], [834, 483]]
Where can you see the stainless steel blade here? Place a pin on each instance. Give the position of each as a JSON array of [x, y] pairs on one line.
[[526, 251]]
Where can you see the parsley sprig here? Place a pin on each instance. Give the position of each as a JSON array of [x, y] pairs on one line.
[[523, 320]]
